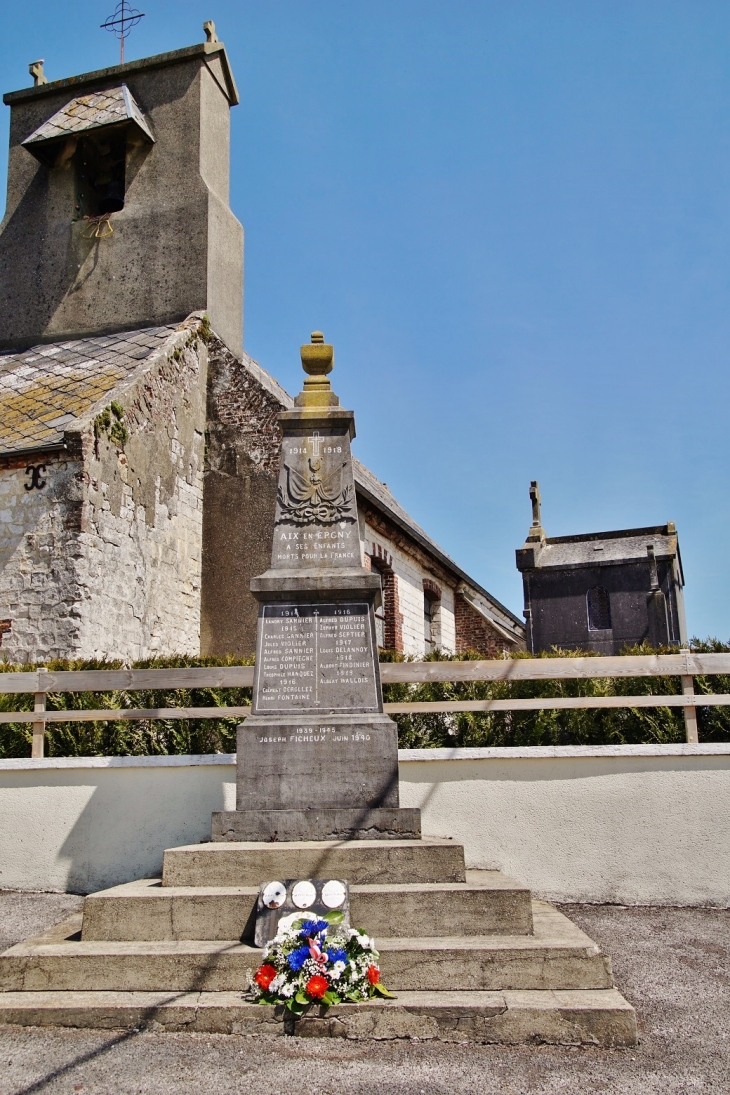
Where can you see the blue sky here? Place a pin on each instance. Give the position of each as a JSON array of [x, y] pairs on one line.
[[513, 221]]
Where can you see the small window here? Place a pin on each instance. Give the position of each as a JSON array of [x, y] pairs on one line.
[[430, 621], [380, 625], [101, 174], [599, 610]]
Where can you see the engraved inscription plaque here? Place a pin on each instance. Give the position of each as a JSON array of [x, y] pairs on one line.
[[315, 657]]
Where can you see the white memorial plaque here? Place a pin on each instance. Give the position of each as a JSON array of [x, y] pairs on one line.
[[304, 895], [274, 895], [333, 894]]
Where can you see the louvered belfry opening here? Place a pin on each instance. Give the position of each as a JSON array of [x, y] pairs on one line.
[[101, 173]]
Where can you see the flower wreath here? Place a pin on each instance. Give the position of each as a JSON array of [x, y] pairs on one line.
[[312, 960]]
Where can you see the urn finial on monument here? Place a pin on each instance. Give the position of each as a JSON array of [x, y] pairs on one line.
[[318, 360], [317, 758]]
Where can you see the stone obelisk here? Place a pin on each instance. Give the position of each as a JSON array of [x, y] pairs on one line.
[[317, 758]]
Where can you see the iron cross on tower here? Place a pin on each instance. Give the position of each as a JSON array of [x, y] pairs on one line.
[[121, 23]]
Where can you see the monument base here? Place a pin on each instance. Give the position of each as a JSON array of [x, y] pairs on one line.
[[377, 823]]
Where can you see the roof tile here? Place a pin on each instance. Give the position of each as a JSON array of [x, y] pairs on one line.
[[41, 385]]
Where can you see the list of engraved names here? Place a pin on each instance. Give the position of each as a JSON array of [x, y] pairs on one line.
[[316, 656]]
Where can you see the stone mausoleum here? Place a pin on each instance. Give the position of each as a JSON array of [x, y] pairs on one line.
[[139, 443], [602, 591]]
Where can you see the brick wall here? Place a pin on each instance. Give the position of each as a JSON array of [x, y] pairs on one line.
[[378, 558], [474, 633], [404, 579]]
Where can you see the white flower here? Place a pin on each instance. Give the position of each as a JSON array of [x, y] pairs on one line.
[[288, 989], [278, 983], [285, 928], [364, 940], [337, 970]]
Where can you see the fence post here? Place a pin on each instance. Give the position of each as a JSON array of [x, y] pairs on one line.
[[39, 728], [690, 713]]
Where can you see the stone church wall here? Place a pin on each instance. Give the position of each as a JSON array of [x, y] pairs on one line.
[[242, 469], [39, 616], [105, 559], [143, 516]]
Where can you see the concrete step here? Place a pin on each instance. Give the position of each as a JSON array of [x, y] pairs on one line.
[[599, 1017], [147, 910], [361, 862], [558, 956]]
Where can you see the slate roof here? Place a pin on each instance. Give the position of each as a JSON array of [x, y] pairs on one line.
[[100, 108], [601, 548], [44, 389]]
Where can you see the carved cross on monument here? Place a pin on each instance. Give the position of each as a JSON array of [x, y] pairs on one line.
[[315, 441], [537, 532]]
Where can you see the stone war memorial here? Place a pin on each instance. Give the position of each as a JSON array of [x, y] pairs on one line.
[[317, 758], [168, 496], [465, 955]]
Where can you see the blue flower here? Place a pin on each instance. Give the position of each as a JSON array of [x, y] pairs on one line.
[[297, 958], [337, 956], [314, 927]]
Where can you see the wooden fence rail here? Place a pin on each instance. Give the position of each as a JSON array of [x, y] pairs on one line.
[[683, 664]]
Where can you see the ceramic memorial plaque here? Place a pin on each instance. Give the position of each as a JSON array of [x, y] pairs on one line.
[[283, 901]]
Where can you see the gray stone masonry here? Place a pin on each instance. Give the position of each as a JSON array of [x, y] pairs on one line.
[[174, 247]]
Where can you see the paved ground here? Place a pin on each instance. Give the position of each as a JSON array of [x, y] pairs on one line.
[[672, 964]]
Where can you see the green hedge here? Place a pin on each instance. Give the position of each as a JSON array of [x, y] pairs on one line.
[[119, 739], [591, 726], [618, 726]]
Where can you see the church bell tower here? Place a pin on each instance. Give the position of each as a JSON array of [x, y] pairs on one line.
[[118, 211]]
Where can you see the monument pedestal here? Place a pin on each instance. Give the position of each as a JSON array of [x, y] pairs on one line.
[[330, 778], [380, 823]]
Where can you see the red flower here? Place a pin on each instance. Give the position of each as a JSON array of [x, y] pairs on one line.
[[264, 976], [373, 975], [316, 987]]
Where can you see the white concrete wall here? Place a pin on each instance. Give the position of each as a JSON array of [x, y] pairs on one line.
[[83, 824], [628, 824]]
